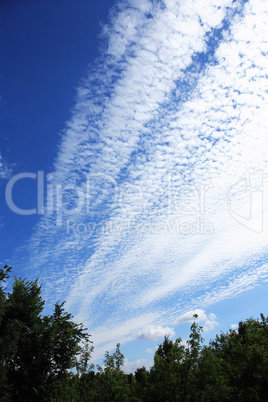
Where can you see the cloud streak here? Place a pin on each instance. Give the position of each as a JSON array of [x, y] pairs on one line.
[[208, 322], [153, 333], [5, 170], [169, 119]]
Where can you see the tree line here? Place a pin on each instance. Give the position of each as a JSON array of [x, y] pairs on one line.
[[47, 358]]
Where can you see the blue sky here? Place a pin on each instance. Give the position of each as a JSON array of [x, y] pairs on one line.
[[133, 163]]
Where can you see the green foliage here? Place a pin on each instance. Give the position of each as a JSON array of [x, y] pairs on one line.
[[82, 366], [65, 336], [36, 351], [4, 344], [38, 354], [233, 367], [175, 367], [165, 372], [140, 384], [244, 359], [115, 361], [114, 381]]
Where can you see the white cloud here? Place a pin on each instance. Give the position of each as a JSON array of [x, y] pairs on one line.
[[5, 170], [131, 367], [184, 343], [149, 351], [149, 117], [188, 317], [208, 321], [154, 333], [234, 326]]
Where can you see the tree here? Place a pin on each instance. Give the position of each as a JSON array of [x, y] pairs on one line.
[[65, 336], [141, 384], [112, 382], [4, 344], [38, 350], [191, 360], [210, 382], [4, 274], [244, 359], [19, 339], [82, 366], [173, 374], [165, 375]]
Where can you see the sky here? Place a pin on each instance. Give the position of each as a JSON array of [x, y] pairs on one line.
[[133, 163]]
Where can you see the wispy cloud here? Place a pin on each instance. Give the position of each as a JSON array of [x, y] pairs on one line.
[[169, 120], [153, 333], [131, 367], [149, 351], [234, 326], [208, 321], [5, 170]]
